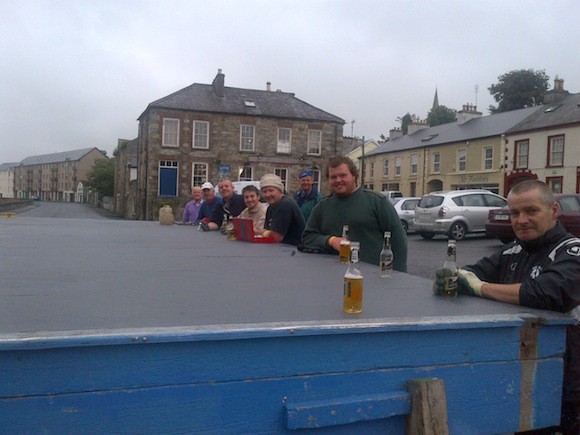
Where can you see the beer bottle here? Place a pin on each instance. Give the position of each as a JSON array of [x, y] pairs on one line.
[[230, 228], [450, 282], [344, 250], [353, 283], [386, 257]]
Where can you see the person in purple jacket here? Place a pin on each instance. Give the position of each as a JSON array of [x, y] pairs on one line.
[[191, 210]]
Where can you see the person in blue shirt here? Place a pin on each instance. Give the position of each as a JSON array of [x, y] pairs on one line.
[[307, 196]]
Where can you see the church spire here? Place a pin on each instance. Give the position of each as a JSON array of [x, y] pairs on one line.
[[435, 100]]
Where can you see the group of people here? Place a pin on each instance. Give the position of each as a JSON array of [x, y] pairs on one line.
[[540, 269]]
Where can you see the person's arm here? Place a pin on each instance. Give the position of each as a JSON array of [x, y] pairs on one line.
[[312, 236], [217, 217], [509, 293], [185, 217], [273, 234]]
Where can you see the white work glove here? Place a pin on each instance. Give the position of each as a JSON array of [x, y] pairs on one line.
[[469, 283]]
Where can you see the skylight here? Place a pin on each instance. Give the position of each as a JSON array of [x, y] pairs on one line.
[[249, 103], [428, 138], [552, 108]]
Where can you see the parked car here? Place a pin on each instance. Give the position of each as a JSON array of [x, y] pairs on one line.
[[499, 223], [455, 213], [392, 194], [406, 210]]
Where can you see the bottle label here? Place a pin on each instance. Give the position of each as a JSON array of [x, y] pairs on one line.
[[387, 264]]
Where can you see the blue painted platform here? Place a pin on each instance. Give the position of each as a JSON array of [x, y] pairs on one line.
[[135, 327]]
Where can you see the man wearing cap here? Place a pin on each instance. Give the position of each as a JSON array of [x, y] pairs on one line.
[[284, 220], [307, 196], [191, 210], [232, 205], [209, 203]]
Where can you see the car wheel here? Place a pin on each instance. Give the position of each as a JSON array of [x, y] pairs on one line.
[[427, 236], [457, 231], [405, 225]]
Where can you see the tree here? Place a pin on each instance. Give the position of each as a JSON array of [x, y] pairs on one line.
[[102, 177], [518, 89], [405, 121], [441, 115]]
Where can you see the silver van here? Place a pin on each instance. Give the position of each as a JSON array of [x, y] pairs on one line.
[[455, 212]]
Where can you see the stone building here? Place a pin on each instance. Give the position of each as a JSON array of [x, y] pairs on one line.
[[7, 180], [57, 176], [208, 132], [126, 178]]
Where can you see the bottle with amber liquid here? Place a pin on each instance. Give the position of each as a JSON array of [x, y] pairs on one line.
[[230, 228], [450, 282], [344, 250], [353, 283], [386, 257]]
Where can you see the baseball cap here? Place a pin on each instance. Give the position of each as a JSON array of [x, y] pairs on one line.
[[206, 185], [306, 173]]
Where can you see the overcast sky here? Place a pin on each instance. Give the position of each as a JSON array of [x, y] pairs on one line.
[[77, 74]]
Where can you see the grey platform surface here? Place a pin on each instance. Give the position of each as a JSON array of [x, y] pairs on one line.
[[83, 274]]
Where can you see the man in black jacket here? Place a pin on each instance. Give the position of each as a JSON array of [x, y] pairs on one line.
[[232, 205], [541, 269]]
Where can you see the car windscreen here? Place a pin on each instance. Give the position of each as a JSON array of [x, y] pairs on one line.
[[431, 201]]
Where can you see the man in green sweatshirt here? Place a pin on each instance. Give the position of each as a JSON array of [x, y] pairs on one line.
[[368, 215]]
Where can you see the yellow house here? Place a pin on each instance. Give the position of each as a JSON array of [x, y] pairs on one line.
[[465, 154]]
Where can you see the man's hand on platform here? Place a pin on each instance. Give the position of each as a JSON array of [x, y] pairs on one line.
[[439, 282], [469, 283]]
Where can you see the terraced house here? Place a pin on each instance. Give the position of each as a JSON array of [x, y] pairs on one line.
[[208, 132]]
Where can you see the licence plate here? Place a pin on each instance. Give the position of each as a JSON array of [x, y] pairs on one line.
[[502, 217], [425, 215]]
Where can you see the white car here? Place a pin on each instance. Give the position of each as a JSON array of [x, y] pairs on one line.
[[406, 210]]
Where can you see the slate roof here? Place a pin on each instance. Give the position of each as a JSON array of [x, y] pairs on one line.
[[63, 156], [7, 166], [477, 128], [563, 112], [201, 98]]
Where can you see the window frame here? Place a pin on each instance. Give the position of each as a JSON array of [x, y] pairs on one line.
[[194, 176], [518, 145], [414, 166], [436, 168], [398, 163], [195, 135], [461, 160], [245, 139], [550, 159], [386, 167], [282, 144], [487, 160], [278, 171], [242, 170], [309, 148], [164, 133], [552, 182]]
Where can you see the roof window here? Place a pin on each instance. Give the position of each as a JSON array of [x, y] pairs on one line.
[[428, 138], [249, 103], [552, 108]]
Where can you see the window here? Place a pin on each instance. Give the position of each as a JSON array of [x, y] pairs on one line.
[[170, 132], [283, 174], [461, 160], [390, 187], [414, 161], [555, 184], [316, 179], [487, 158], [168, 171], [397, 165], [385, 167], [284, 140], [246, 173], [314, 142], [372, 172], [556, 150], [200, 134], [436, 163], [522, 150], [247, 138], [199, 171]]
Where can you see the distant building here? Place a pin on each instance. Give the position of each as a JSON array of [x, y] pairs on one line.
[[126, 192], [55, 177], [7, 180], [546, 145], [208, 132]]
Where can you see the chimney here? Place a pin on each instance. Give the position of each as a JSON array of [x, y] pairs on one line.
[[557, 93], [468, 112], [218, 83], [268, 86], [395, 133], [415, 125]]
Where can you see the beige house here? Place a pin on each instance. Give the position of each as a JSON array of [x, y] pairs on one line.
[[468, 153], [7, 180], [206, 132], [356, 155], [55, 177], [546, 145]]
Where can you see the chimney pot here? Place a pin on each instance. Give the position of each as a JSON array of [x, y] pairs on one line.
[[268, 86]]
